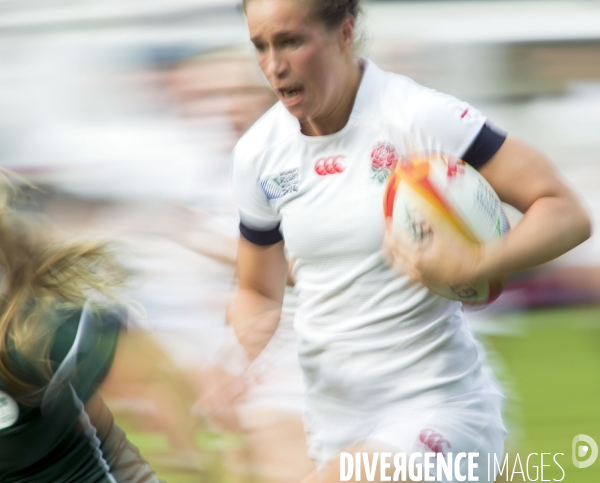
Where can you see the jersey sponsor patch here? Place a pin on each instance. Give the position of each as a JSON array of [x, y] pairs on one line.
[[9, 410], [384, 157], [277, 185], [329, 165]]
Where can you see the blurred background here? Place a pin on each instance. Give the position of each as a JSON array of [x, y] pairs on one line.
[[125, 114]]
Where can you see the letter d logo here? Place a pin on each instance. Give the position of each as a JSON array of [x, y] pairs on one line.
[[583, 450]]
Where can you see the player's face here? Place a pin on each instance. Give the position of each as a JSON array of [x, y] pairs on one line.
[[301, 58]]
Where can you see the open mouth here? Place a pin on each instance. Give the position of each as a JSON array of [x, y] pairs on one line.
[[290, 94]]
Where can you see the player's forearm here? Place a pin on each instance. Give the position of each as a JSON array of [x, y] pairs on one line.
[[255, 313], [254, 319], [552, 226]]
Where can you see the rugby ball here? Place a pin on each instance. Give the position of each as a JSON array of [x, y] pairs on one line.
[[432, 192]]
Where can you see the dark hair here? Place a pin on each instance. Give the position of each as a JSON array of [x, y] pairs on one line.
[[331, 12]]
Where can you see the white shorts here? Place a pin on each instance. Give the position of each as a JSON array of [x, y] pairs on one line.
[[468, 423]]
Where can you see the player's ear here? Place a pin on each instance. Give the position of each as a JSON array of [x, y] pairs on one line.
[[346, 34]]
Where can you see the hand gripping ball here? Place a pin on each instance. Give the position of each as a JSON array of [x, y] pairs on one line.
[[430, 192]]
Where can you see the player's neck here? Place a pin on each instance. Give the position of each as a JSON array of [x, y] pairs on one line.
[[337, 116]]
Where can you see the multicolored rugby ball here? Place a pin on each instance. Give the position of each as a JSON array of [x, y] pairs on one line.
[[430, 192]]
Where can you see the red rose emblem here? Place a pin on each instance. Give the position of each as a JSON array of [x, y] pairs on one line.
[[384, 157]]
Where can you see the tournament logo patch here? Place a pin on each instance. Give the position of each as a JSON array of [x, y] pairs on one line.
[[277, 185], [384, 157]]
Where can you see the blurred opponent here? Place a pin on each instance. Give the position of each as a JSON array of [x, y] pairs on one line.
[[59, 328]]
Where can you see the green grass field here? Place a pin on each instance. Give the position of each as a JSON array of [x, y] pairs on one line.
[[551, 371], [553, 366]]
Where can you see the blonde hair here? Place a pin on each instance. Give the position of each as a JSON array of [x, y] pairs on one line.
[[42, 274]]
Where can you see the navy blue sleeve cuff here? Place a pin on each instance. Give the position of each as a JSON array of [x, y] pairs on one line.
[[485, 145], [263, 238]]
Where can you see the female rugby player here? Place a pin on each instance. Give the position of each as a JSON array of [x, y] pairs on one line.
[[387, 362], [56, 347]]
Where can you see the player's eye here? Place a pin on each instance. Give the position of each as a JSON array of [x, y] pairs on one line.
[[292, 42], [259, 47]]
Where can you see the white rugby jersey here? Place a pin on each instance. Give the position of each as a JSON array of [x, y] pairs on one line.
[[368, 335]]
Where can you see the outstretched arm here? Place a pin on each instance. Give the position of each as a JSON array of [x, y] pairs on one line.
[[254, 316]]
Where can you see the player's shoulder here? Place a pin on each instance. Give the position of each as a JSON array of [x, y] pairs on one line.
[[420, 107], [409, 94], [400, 85], [395, 98], [272, 129]]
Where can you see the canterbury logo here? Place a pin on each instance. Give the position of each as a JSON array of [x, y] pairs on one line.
[[434, 441], [329, 165]]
